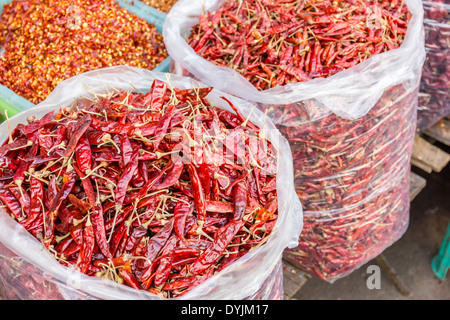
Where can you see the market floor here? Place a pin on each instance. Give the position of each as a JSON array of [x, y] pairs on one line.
[[410, 256]]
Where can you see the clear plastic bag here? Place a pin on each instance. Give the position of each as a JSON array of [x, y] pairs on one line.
[[352, 177], [351, 136], [20, 280], [434, 99], [29, 271]]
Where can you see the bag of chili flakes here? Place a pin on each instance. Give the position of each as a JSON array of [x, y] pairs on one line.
[[29, 271], [351, 131]]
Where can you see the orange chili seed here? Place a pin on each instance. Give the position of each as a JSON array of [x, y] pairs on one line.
[[161, 5]]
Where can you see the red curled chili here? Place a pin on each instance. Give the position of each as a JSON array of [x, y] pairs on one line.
[[210, 255]]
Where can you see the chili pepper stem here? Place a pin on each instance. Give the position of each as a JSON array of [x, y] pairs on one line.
[[106, 138], [217, 176], [199, 231], [37, 177], [28, 144], [9, 127], [159, 155], [60, 238]]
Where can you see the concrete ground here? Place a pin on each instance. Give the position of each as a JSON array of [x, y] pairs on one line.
[[410, 256]]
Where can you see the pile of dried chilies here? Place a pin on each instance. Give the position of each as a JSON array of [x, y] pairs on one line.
[[158, 190], [46, 42], [352, 176], [274, 43], [434, 99]]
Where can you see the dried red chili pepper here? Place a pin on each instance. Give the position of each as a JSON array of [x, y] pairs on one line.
[[165, 263], [87, 247], [125, 179], [180, 213], [240, 199], [214, 251], [173, 175], [161, 5], [129, 278], [198, 193]]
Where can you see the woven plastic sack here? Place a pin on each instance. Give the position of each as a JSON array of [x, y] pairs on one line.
[[29, 271], [351, 137], [434, 96]]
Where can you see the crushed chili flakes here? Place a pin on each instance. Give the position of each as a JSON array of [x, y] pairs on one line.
[[161, 5], [46, 42]]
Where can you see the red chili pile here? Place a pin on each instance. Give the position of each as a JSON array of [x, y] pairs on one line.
[[274, 43], [158, 190], [352, 176], [435, 82], [161, 5], [46, 42]]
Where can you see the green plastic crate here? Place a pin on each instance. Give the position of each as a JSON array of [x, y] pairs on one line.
[[7, 110], [161, 16], [140, 6], [15, 103]]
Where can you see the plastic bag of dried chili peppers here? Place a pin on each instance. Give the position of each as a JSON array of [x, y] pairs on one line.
[[116, 190], [434, 97], [340, 80]]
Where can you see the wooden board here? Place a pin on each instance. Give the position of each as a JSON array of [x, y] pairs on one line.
[[293, 280], [421, 165], [416, 185], [440, 131], [427, 156], [392, 274]]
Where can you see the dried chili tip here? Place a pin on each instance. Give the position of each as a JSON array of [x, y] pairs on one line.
[[128, 277], [158, 292], [31, 119]]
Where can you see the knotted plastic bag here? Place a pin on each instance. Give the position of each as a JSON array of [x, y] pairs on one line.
[[351, 136], [29, 271]]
